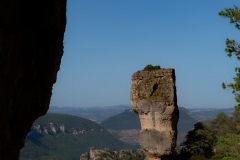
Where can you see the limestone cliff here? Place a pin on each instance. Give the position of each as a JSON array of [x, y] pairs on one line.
[[31, 47], [153, 98]]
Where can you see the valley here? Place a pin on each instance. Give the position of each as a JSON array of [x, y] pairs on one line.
[[119, 129]]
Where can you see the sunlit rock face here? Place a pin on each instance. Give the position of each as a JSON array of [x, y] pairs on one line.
[[153, 98], [31, 47]]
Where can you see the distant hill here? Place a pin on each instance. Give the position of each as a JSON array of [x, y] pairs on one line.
[[97, 114], [66, 137], [186, 120], [206, 114], [123, 121], [123, 124]]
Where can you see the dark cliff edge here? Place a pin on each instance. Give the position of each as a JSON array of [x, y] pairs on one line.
[[31, 47]]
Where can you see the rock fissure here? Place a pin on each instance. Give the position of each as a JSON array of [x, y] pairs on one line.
[[154, 88]]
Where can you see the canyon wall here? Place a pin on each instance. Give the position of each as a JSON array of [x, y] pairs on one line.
[[153, 97], [31, 47]]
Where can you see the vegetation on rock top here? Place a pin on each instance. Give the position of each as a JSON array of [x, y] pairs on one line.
[[150, 67]]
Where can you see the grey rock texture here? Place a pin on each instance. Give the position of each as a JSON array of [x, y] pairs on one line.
[[31, 47], [153, 98], [106, 154]]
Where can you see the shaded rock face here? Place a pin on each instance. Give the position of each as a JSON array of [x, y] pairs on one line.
[[31, 47], [153, 98]]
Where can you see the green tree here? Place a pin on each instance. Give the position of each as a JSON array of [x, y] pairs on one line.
[[223, 124], [199, 142], [227, 128], [227, 147], [233, 48]]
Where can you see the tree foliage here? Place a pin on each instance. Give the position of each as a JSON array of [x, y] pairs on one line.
[[223, 124], [199, 142], [225, 128], [227, 147], [233, 48], [228, 140], [220, 139]]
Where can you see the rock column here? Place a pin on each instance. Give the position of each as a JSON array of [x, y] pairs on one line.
[[153, 98]]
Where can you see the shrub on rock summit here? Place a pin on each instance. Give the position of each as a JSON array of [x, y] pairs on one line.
[[150, 67]]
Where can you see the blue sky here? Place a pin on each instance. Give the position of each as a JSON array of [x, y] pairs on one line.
[[106, 41]]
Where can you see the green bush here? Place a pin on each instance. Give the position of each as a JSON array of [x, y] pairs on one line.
[[150, 67]]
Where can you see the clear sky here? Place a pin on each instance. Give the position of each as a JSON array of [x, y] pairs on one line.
[[106, 41]]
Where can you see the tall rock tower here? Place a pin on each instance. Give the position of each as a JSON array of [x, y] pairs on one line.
[[153, 98]]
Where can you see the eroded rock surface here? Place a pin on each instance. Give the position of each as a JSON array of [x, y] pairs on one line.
[[106, 154], [153, 98], [31, 47]]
